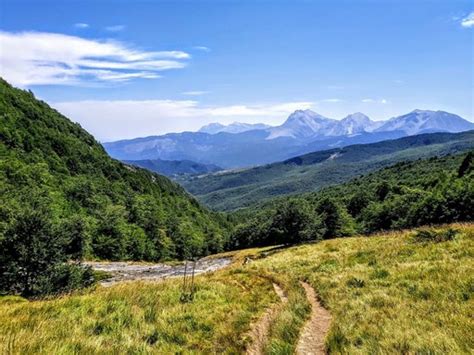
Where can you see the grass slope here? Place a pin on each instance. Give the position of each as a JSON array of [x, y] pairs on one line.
[[388, 293], [311, 172], [139, 317]]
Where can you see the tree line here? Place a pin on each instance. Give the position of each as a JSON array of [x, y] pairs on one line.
[[405, 195]]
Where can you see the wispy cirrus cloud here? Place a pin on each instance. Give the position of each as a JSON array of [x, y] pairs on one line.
[[331, 100], [202, 48], [81, 25], [468, 21], [132, 118], [373, 101], [39, 58], [195, 93], [115, 28]]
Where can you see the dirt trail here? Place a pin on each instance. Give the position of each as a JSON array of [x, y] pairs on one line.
[[259, 331], [125, 271], [314, 332]]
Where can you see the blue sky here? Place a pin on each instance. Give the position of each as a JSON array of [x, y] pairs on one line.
[[135, 68]]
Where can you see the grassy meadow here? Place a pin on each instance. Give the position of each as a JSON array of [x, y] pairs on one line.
[[398, 292], [139, 317], [390, 293]]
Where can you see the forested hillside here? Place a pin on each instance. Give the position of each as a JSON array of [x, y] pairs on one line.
[[311, 172], [407, 194], [55, 178], [174, 168]]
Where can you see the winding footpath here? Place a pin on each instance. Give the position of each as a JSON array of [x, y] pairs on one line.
[[314, 332]]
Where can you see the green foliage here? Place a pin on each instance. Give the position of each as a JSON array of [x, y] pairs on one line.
[[293, 223], [466, 165], [286, 223], [96, 207], [34, 253], [405, 195], [335, 219]]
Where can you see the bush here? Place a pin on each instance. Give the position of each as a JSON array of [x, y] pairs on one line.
[[433, 235], [34, 253], [64, 277]]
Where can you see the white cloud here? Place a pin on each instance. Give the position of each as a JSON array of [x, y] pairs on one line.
[[81, 25], [115, 28], [202, 48], [38, 58], [140, 118], [372, 101], [468, 21], [331, 100], [195, 93]]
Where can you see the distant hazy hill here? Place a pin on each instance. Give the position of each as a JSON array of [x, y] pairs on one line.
[[310, 172], [172, 168], [243, 145], [236, 127], [123, 212]]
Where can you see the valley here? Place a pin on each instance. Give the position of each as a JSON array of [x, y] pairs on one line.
[[236, 177], [314, 171]]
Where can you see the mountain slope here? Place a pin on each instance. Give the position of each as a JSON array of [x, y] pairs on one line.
[[301, 125], [352, 124], [223, 149], [173, 168], [236, 127], [424, 121], [124, 212], [313, 171], [308, 124]]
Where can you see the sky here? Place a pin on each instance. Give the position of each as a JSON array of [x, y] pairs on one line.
[[126, 69]]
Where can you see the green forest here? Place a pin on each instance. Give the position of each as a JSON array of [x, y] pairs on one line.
[[63, 198], [408, 194]]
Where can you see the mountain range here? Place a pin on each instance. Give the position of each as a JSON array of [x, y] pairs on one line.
[[243, 145]]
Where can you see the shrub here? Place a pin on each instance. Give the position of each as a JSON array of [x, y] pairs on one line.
[[33, 257], [436, 236], [62, 278]]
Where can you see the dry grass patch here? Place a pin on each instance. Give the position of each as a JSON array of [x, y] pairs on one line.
[[139, 317]]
